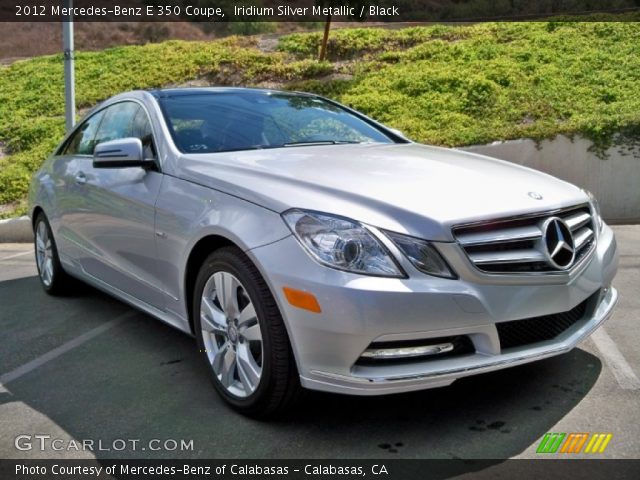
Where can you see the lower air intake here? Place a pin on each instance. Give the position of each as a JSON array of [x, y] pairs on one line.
[[518, 333]]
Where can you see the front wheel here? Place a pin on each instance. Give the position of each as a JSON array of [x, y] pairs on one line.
[[242, 337]]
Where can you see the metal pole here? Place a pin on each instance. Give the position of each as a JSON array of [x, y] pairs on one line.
[[69, 76]]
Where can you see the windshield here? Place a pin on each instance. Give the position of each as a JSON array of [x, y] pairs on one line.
[[229, 121]]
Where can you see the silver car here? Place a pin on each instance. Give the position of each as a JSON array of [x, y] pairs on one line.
[[306, 245]]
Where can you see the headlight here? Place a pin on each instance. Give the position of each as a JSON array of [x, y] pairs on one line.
[[341, 243], [595, 209], [422, 255]]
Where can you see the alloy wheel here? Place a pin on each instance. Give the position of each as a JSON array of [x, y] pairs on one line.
[[44, 254], [231, 334]]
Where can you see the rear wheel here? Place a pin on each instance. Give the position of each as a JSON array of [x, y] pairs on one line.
[[241, 335], [53, 278]]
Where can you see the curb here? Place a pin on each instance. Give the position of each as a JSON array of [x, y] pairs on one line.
[[16, 230]]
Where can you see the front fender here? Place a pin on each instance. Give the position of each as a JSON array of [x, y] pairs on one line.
[[187, 212]]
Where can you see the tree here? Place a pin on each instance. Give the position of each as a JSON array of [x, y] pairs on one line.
[[325, 38], [357, 4]]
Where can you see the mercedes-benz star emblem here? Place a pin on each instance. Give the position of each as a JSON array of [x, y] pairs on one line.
[[560, 249], [535, 195]]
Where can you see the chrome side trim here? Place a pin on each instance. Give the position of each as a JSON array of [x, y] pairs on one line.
[[167, 317]]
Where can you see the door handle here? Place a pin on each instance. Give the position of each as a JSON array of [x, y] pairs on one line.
[[81, 178]]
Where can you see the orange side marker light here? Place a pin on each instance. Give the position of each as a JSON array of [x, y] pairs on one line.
[[301, 299]]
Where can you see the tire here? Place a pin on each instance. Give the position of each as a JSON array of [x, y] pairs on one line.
[[53, 278], [242, 337]]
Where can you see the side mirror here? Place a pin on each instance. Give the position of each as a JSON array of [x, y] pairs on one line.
[[121, 153]]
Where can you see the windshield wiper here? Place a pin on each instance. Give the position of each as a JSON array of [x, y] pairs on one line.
[[319, 142]]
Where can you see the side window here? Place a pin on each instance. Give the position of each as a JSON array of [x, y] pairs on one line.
[[82, 141], [141, 128], [117, 122]]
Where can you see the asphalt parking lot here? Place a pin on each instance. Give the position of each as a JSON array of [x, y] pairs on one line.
[[89, 367]]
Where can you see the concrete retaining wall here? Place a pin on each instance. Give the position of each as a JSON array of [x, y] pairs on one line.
[[16, 230], [614, 181]]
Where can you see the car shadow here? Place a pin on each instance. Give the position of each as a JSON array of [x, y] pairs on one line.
[[144, 380]]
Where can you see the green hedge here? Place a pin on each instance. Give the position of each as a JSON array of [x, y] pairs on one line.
[[447, 85]]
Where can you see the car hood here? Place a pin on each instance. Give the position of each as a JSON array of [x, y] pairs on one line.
[[408, 188]]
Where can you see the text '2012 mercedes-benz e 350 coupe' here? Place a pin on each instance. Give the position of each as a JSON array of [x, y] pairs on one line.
[[306, 245]]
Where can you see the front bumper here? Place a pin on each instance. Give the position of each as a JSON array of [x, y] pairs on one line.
[[359, 310]]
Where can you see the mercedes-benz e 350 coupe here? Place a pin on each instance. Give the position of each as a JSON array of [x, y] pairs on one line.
[[306, 245]]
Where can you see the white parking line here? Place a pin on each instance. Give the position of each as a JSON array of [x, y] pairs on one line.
[[626, 377], [29, 252], [56, 352]]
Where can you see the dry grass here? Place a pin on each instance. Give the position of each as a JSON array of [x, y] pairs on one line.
[[30, 39]]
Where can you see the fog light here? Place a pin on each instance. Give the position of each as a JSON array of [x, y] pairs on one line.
[[407, 352]]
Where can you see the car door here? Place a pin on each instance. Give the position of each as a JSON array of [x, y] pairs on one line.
[[68, 175], [120, 202]]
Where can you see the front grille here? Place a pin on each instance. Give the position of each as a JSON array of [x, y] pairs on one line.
[[516, 245], [517, 333]]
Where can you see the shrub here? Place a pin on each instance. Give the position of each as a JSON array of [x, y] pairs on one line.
[[446, 85]]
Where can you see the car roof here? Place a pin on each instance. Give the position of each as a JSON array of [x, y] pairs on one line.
[[184, 91], [158, 93]]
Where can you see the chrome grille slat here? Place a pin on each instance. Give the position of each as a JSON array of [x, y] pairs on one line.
[[582, 236], [515, 245], [514, 256], [499, 236], [578, 220]]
